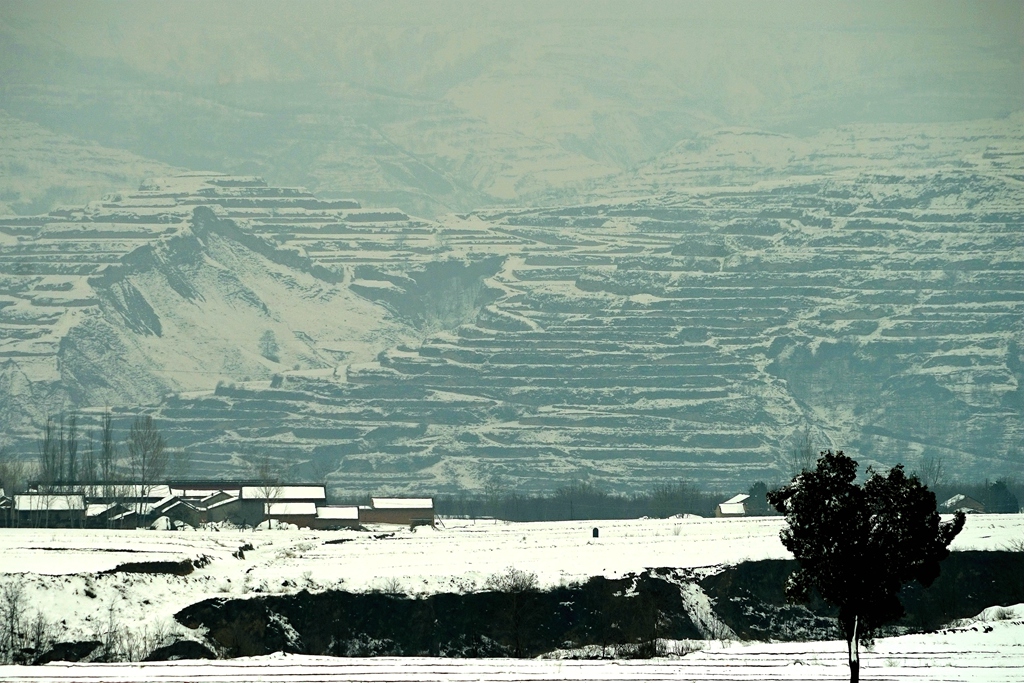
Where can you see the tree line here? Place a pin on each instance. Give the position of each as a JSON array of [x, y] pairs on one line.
[[578, 500], [64, 461]]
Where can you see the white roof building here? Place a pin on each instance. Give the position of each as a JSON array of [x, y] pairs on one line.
[[292, 509], [734, 507], [222, 503], [339, 512], [402, 503], [32, 502], [284, 493]]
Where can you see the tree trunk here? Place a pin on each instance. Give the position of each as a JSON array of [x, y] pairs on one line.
[[853, 650]]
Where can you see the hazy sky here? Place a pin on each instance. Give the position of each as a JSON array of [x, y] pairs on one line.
[[201, 41], [498, 98]]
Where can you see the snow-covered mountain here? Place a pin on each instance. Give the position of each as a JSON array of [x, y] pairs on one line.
[[671, 330]]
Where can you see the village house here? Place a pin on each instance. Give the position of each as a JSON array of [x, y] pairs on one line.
[[49, 510], [734, 507], [404, 511], [110, 516], [123, 505], [961, 503], [330, 517], [260, 502]]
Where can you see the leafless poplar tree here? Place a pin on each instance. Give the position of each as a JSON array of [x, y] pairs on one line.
[[147, 453], [71, 449], [12, 473], [803, 455], [269, 486], [108, 454], [48, 454], [933, 470]]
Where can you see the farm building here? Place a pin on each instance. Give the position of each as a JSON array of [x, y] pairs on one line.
[[300, 514], [404, 511], [180, 510], [193, 503], [109, 516], [337, 517], [734, 507], [962, 503], [226, 510], [49, 510]]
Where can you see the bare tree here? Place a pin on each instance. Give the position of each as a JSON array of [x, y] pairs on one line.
[[88, 469], [179, 463], [803, 455], [58, 451], [269, 487], [12, 473], [108, 453], [933, 470], [71, 449], [48, 450], [12, 606], [147, 453]]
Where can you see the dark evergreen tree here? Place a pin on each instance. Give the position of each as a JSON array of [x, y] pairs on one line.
[[757, 504], [858, 545], [999, 498]]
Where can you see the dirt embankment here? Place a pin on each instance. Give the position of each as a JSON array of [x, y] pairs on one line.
[[633, 611], [750, 596]]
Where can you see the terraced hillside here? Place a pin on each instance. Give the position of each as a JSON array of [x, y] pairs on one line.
[[631, 341], [157, 291]]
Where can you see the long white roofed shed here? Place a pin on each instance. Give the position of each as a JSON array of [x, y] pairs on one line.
[[402, 503], [404, 511], [310, 493]]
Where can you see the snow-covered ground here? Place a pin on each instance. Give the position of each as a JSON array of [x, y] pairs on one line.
[[60, 568], [982, 651]]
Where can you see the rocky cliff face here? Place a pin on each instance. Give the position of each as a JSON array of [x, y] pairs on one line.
[[689, 333]]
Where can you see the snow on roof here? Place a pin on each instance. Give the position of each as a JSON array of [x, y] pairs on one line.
[[158, 491], [204, 492], [292, 509], [732, 509], [113, 490], [738, 498], [338, 512], [402, 503], [97, 509], [164, 501], [213, 495], [37, 502], [226, 501], [284, 493]]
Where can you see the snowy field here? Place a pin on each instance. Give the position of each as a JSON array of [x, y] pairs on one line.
[[981, 651], [61, 569]]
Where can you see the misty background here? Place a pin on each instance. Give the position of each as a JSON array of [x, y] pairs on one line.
[[450, 106], [539, 243]]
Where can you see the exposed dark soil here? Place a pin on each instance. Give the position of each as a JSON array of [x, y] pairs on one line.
[[180, 568], [633, 610], [182, 649], [68, 652], [750, 598]]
